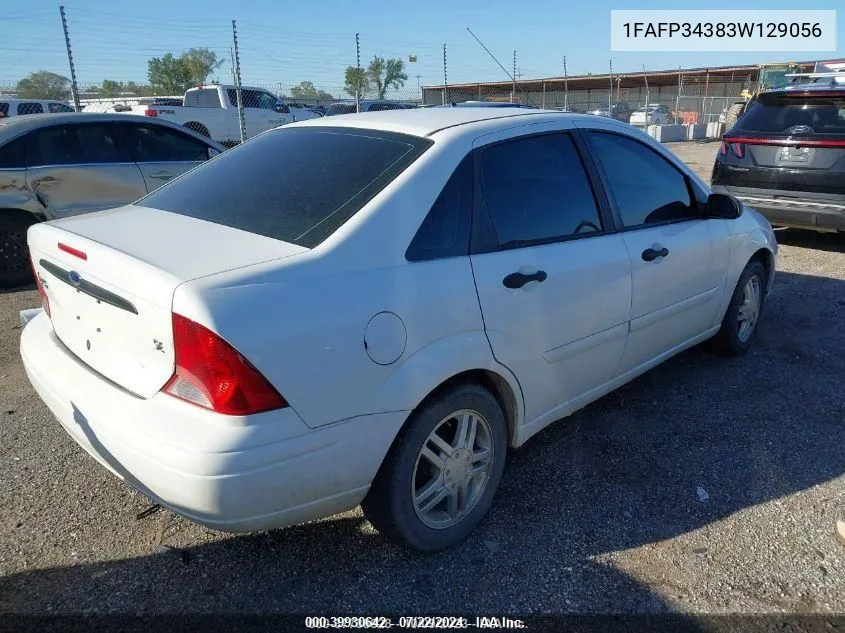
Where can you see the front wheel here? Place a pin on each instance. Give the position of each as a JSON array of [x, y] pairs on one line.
[[441, 474], [740, 323]]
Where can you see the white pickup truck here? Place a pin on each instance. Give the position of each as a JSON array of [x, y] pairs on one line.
[[213, 112]]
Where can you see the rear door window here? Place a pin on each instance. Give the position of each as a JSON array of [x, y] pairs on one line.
[[76, 144], [4, 109], [796, 115], [157, 143], [59, 107], [13, 154], [30, 108], [296, 185]]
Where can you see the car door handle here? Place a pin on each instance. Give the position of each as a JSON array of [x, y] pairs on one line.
[[651, 254], [45, 182], [518, 280], [162, 175]]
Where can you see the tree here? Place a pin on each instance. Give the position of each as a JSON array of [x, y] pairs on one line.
[[355, 78], [386, 74], [306, 91], [168, 75], [200, 63], [174, 75], [43, 85]]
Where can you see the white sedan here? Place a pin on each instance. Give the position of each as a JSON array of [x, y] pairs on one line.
[[373, 309], [654, 114]]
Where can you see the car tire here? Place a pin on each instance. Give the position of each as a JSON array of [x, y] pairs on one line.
[[732, 115], [743, 315], [15, 269], [408, 482]]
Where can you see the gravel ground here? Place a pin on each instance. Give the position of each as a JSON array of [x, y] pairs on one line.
[[599, 513]]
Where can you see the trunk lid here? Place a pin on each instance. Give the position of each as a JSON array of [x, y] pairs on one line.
[[111, 302]]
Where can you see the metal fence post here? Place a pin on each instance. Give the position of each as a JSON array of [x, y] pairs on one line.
[[74, 90], [358, 72], [565, 86], [610, 94], [513, 79], [647, 96], [445, 81], [240, 99]]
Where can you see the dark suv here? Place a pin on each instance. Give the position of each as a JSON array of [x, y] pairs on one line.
[[786, 157]]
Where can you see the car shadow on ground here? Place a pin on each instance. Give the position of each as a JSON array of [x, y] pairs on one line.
[[622, 473], [831, 242]]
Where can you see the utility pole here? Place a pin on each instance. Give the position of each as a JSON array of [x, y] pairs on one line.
[[241, 118], [358, 72], [565, 86], [73, 88], [513, 79], [445, 82]]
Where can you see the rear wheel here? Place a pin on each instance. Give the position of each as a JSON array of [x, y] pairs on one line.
[[732, 115], [199, 128], [740, 323], [439, 479], [15, 269]]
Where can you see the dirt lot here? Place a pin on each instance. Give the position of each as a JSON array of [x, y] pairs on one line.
[[599, 513]]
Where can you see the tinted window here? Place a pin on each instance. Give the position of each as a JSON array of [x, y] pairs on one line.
[[253, 99], [445, 230], [156, 143], [59, 107], [12, 155], [30, 108], [375, 107], [536, 189], [283, 108], [645, 186], [802, 116], [4, 109], [73, 145], [340, 108], [296, 185]]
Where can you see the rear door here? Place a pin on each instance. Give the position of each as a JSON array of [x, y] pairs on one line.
[[77, 168], [678, 258], [553, 279], [162, 153]]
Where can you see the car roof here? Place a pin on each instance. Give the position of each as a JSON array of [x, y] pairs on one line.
[[17, 125], [428, 121], [808, 87]]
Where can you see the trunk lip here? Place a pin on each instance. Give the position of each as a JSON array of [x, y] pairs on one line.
[[86, 287]]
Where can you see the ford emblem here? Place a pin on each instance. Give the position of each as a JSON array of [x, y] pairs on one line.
[[75, 277]]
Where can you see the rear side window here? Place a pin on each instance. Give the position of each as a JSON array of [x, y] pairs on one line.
[[535, 189], [340, 108], [156, 143], [73, 145], [204, 98], [296, 185], [4, 109], [59, 107], [646, 187], [13, 154], [445, 230], [30, 108], [802, 116]]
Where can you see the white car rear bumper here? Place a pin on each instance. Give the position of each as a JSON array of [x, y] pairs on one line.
[[233, 474]]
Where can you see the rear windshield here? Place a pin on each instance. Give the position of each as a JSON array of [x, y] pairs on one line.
[[796, 115], [340, 108], [296, 185]]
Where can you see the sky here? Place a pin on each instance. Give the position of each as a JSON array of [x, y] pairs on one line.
[[284, 43]]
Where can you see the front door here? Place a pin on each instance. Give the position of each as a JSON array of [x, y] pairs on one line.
[[678, 258], [553, 283]]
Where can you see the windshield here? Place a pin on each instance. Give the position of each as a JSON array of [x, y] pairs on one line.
[[294, 185], [340, 108], [801, 115]]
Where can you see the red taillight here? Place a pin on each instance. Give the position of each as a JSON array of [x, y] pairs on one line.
[[785, 142], [45, 301], [73, 251], [723, 150], [210, 373], [149, 112]]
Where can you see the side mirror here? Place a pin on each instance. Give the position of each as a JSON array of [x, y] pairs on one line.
[[721, 205]]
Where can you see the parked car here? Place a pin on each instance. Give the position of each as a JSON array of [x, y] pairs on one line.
[[349, 107], [621, 111], [18, 107], [329, 315], [57, 165], [212, 111], [786, 157], [653, 114]]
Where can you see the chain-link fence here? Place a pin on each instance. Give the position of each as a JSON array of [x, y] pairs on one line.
[[232, 80]]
